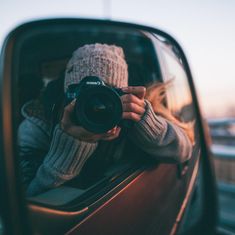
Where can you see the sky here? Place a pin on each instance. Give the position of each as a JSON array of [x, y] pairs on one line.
[[204, 28]]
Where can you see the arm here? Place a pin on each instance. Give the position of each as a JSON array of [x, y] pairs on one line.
[[63, 161], [160, 138], [64, 154], [33, 144], [154, 134]]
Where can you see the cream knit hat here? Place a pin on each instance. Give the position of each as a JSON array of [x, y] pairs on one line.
[[101, 60]]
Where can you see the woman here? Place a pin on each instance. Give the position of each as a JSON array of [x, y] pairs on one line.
[[66, 147]]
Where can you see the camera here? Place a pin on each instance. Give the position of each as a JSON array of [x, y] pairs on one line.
[[98, 107]]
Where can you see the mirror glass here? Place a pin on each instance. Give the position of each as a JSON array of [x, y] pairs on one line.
[[74, 133]]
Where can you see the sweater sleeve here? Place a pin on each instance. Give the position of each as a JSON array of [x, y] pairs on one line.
[[63, 161], [160, 138]]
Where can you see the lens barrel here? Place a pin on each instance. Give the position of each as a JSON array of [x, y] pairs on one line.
[[98, 108]]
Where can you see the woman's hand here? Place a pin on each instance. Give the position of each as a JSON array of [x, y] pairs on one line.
[[133, 103], [79, 132]]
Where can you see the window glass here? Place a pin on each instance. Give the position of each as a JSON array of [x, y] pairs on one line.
[[50, 155], [178, 94], [77, 128]]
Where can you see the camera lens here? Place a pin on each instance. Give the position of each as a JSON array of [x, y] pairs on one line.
[[99, 109]]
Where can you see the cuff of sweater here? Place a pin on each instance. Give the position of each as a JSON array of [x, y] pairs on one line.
[[151, 126], [67, 155]]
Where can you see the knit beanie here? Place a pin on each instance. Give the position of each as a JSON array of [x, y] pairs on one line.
[[101, 60]]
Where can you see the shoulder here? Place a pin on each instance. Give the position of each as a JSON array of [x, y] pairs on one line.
[[33, 133], [35, 117], [33, 108], [44, 112]]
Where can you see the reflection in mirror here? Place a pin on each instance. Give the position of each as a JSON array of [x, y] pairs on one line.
[[94, 102]]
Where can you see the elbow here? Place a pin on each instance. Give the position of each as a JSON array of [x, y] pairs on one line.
[[184, 152]]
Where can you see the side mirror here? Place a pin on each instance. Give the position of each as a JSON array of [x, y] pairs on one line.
[[33, 61]]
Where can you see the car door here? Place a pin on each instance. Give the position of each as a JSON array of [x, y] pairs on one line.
[[131, 197]]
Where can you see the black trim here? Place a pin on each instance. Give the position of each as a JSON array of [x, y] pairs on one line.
[[95, 195], [13, 210]]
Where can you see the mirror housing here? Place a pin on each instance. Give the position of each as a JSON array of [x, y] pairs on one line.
[[24, 41]]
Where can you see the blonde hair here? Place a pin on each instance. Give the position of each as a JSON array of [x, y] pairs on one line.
[[156, 94]]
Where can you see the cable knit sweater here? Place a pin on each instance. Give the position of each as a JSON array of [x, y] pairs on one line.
[[49, 160]]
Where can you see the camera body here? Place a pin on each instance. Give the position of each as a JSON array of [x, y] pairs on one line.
[[98, 107]]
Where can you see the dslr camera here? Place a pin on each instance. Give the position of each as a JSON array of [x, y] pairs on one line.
[[98, 107]]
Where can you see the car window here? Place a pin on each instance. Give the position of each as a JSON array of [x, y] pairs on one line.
[[61, 162], [42, 100], [179, 94]]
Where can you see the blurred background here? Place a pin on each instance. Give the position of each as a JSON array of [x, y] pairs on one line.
[[205, 30]]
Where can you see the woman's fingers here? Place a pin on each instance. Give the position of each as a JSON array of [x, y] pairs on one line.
[[132, 107], [68, 112], [84, 135], [129, 98], [131, 116], [112, 134], [138, 91], [112, 131]]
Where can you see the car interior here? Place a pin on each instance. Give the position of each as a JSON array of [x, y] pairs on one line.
[[42, 59]]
